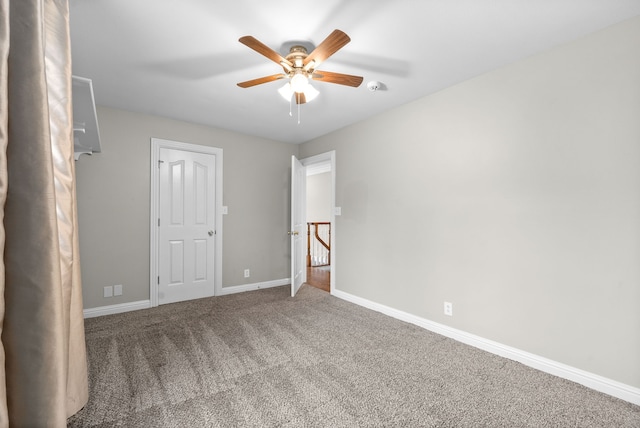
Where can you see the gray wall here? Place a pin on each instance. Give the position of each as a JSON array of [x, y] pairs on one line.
[[515, 196], [113, 204]]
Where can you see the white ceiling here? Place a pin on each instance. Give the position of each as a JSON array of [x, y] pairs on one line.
[[182, 59]]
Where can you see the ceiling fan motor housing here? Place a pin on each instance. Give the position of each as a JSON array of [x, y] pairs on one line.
[[296, 55]]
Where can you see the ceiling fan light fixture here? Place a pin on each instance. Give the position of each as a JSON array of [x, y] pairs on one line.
[[309, 92], [286, 91], [299, 82]]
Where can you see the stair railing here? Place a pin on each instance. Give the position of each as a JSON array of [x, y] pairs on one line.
[[318, 243]]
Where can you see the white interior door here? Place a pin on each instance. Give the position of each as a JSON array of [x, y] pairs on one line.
[[187, 229], [298, 232]]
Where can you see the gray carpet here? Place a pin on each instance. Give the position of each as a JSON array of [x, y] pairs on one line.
[[263, 359]]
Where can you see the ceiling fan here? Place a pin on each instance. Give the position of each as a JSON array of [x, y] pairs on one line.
[[299, 66]]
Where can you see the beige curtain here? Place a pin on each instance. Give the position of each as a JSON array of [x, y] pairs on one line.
[[45, 369]]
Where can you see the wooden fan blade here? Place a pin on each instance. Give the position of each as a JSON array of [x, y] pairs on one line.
[[328, 47], [339, 78], [261, 80], [300, 98], [263, 49]]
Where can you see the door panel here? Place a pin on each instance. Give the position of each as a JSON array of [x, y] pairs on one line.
[[186, 225], [176, 194], [201, 257], [176, 262], [200, 188], [298, 219]]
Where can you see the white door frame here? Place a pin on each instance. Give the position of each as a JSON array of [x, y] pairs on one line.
[[156, 145], [331, 158]]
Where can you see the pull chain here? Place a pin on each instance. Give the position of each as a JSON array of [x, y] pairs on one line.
[[297, 96]]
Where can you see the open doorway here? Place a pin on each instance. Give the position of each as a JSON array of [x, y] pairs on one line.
[[319, 207]]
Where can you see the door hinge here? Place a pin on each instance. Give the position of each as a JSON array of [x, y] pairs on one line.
[[158, 280], [159, 162], [158, 222]]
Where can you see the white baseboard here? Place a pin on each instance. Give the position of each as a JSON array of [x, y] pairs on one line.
[[590, 380], [116, 309], [255, 286], [145, 304]]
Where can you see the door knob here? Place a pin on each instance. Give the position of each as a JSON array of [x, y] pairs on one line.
[[211, 233], [293, 233]]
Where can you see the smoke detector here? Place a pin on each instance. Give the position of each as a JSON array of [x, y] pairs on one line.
[[374, 85]]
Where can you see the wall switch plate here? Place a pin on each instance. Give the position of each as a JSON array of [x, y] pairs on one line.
[[247, 273], [448, 308], [117, 290], [225, 210], [108, 291], [337, 210]]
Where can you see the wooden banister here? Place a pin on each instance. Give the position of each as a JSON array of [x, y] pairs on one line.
[[326, 245]]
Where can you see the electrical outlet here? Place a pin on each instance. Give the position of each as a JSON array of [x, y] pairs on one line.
[[117, 290], [448, 308], [108, 291], [247, 273]]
